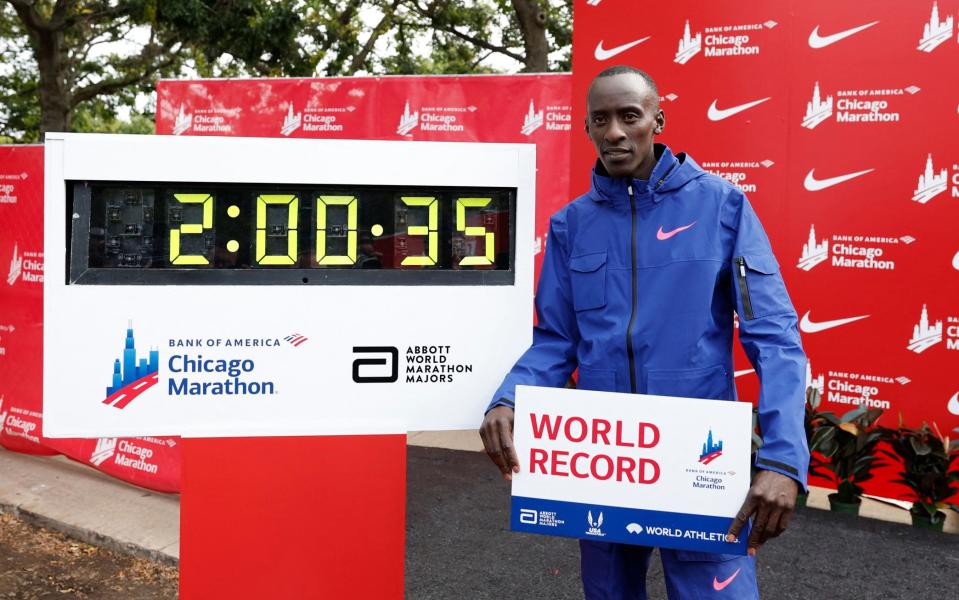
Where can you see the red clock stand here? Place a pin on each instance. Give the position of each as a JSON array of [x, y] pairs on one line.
[[293, 517]]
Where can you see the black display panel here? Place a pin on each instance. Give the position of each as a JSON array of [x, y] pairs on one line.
[[256, 234]]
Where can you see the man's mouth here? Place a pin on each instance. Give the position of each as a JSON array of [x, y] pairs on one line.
[[616, 152]]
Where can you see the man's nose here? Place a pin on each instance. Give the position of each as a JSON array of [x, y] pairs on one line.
[[615, 132]]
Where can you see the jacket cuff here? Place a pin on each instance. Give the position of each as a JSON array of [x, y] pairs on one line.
[[768, 464], [501, 402]]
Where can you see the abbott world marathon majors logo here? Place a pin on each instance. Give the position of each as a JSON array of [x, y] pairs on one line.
[[928, 332], [555, 118], [418, 365], [25, 266], [864, 105], [741, 174], [851, 251], [933, 182], [721, 41], [433, 118]]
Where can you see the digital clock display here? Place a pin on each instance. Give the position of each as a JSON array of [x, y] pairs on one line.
[[156, 233]]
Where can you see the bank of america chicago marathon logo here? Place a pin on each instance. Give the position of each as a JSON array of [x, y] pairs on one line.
[[25, 266], [711, 449], [848, 388], [936, 31], [132, 375], [183, 121], [420, 364], [432, 118], [739, 173], [556, 118], [928, 333], [865, 105], [318, 119], [126, 453], [212, 120], [850, 251], [720, 41], [933, 182]]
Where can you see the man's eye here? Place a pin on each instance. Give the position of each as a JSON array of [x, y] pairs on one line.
[[630, 117], [599, 120]]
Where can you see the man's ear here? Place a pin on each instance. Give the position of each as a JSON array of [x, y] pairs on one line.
[[660, 122], [586, 125]]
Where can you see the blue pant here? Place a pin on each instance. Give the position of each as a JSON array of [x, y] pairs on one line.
[[618, 572]]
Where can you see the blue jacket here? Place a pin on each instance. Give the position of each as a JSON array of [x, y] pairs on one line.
[[638, 289]]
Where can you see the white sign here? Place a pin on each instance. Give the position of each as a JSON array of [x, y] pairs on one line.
[[165, 356], [628, 468]]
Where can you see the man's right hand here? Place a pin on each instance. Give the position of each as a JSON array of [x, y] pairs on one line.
[[497, 434]]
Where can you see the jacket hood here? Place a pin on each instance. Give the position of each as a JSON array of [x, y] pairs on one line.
[[670, 173]]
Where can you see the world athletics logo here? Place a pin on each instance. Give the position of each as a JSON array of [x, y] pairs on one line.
[[131, 377], [711, 450]]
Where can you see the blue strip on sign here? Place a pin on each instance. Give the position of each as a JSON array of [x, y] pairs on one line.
[[625, 525]]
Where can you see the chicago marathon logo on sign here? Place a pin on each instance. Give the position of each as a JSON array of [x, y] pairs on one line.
[[926, 333], [864, 105], [433, 118], [555, 118], [869, 252], [848, 388], [933, 182], [183, 122], [25, 266], [132, 454], [314, 119], [291, 122], [217, 120], [936, 31], [721, 41], [711, 449], [132, 375], [740, 173], [104, 450]]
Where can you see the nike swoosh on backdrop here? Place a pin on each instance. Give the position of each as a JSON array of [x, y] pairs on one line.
[[665, 235], [721, 585], [604, 54], [808, 326], [718, 114], [821, 41], [814, 185]]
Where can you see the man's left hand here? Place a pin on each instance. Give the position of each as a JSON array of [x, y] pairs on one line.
[[772, 498]]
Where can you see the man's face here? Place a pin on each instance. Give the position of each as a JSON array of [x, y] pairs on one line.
[[622, 117]]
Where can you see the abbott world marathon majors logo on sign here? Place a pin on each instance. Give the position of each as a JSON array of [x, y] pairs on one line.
[[26, 267], [928, 332], [863, 105], [741, 174], [418, 365], [721, 41], [555, 118], [851, 251], [933, 182], [433, 118]]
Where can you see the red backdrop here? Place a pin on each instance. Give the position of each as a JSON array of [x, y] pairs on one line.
[[849, 170]]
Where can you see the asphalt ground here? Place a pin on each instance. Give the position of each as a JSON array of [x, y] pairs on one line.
[[459, 546]]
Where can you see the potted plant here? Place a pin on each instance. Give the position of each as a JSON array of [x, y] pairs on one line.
[[929, 470], [849, 445]]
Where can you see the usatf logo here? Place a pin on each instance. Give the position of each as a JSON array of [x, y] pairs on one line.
[[720, 41], [183, 122], [740, 173], [532, 121], [925, 335], [935, 32], [711, 450], [295, 339], [131, 376], [931, 183], [866, 105], [850, 251], [291, 122], [595, 527], [105, 449], [389, 358]]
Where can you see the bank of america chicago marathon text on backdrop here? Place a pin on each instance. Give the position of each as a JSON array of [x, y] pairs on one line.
[[193, 374]]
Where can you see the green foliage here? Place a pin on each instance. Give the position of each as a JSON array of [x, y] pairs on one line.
[[849, 445], [930, 469]]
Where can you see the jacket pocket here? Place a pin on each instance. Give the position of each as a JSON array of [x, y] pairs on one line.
[[599, 380], [761, 288], [708, 383], [588, 280]]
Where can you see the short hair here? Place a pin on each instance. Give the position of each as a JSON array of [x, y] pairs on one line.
[[626, 69]]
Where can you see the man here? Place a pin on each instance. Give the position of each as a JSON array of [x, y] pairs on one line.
[[638, 288]]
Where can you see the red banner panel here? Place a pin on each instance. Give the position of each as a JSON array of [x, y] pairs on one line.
[[838, 121]]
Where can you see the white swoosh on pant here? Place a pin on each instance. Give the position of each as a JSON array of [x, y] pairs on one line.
[[809, 326], [604, 54], [814, 185], [718, 114], [821, 41]]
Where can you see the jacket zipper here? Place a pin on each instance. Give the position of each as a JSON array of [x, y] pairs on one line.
[[632, 313], [744, 289]]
